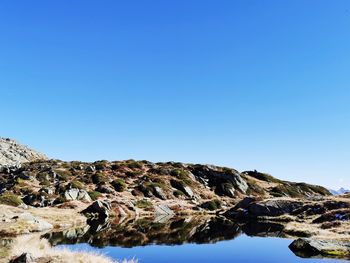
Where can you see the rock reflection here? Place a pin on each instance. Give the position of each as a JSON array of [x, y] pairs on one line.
[[174, 231]]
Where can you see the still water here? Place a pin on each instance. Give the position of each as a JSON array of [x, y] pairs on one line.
[[185, 240]]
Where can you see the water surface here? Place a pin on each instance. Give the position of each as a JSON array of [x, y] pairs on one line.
[[185, 240]]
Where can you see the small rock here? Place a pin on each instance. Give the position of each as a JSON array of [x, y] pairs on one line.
[[158, 192], [163, 210]]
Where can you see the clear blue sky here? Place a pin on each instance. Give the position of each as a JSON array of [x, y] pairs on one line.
[[248, 84]]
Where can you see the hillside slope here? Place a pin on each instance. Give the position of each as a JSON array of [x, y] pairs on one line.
[[13, 153], [143, 185]]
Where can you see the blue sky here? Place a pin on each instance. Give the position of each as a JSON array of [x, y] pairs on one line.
[[247, 84]]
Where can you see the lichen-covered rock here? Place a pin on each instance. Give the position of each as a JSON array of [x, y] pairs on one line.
[[304, 247]]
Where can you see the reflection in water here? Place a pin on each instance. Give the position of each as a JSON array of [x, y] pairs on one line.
[[176, 231], [153, 240]]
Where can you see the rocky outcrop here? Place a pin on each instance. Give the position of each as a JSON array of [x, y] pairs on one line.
[[251, 208], [307, 248], [13, 153], [77, 194], [273, 207], [214, 176], [98, 209]]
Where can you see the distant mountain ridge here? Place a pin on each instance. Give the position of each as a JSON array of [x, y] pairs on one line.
[[12, 153], [341, 191]]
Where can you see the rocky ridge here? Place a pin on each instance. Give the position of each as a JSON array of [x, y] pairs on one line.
[[104, 191], [13, 153]]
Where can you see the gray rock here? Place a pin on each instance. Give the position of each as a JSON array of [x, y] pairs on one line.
[[71, 194], [246, 202], [76, 194], [158, 192], [274, 207], [214, 176], [226, 189], [163, 210], [305, 247], [84, 196], [14, 154], [182, 187], [36, 223]]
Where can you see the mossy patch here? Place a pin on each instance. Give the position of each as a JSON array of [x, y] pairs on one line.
[[144, 204], [119, 185], [10, 199], [94, 195], [212, 205]]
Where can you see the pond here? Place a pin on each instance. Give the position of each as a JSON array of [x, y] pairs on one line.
[[194, 239]]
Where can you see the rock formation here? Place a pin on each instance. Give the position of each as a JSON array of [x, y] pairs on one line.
[[13, 153]]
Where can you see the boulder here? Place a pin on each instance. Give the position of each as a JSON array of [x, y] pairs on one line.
[[100, 209], [214, 176], [226, 189], [182, 187], [240, 210], [36, 224], [158, 192], [273, 207], [71, 194], [146, 191], [305, 248], [104, 189], [245, 202], [84, 196], [163, 210], [76, 194]]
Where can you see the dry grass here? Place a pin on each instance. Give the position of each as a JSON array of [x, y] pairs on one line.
[[62, 217], [41, 249], [59, 218]]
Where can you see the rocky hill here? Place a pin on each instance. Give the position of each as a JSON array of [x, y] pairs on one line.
[[13, 153], [108, 192], [142, 186]]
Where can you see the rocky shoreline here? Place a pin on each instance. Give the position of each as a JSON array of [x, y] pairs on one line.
[[40, 195]]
